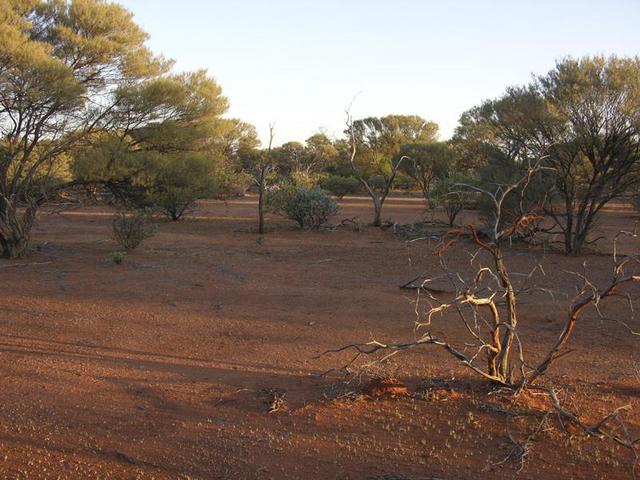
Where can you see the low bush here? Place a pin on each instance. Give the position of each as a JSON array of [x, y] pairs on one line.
[[311, 208], [404, 182], [229, 184], [378, 183], [118, 257], [130, 230], [341, 186], [304, 180], [451, 198]]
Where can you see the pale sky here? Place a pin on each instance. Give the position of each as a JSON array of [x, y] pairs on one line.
[[299, 63]]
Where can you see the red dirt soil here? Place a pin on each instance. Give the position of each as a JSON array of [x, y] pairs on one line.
[[166, 366]]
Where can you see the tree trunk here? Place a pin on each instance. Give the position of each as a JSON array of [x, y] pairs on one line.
[[504, 358], [579, 239], [377, 212], [12, 248], [568, 232], [261, 208], [15, 230]]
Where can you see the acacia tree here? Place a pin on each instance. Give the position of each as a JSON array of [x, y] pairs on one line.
[[592, 138], [452, 199], [66, 80], [302, 163], [320, 154], [583, 118], [426, 162], [166, 157], [375, 144]]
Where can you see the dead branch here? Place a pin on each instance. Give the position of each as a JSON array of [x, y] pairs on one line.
[[521, 450]]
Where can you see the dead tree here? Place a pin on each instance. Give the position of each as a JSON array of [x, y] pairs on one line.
[[487, 305], [259, 164]]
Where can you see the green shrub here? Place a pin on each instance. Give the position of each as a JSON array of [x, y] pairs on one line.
[[178, 182], [341, 186], [229, 183], [452, 198], [118, 257], [130, 230], [404, 182], [304, 180], [278, 197], [377, 183], [311, 208]]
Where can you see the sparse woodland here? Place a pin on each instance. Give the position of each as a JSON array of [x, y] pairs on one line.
[[90, 117]]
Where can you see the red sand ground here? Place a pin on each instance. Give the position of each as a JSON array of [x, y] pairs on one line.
[[164, 366]]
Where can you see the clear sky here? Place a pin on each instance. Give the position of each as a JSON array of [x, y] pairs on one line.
[[299, 63]]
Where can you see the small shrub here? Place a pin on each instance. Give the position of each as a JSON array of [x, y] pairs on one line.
[[118, 257], [404, 182], [178, 182], [278, 197], [311, 208], [341, 186], [451, 198], [377, 183], [304, 180], [131, 230], [229, 184]]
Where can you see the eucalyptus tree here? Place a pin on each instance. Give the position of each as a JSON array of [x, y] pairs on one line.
[[68, 80], [583, 119], [167, 157], [375, 144], [592, 139], [427, 162]]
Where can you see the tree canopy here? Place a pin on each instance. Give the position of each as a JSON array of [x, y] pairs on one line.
[[582, 121], [73, 74]]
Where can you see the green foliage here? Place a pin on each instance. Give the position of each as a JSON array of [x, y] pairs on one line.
[[304, 180], [168, 182], [130, 230], [499, 171], [404, 182], [302, 164], [341, 186], [259, 164], [341, 165], [582, 121], [311, 208], [453, 198], [79, 73], [428, 161], [320, 153], [118, 257], [377, 183], [229, 183], [278, 197], [379, 140], [178, 182]]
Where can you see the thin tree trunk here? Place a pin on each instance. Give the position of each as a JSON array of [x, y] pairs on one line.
[[261, 207], [504, 361], [377, 212]]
